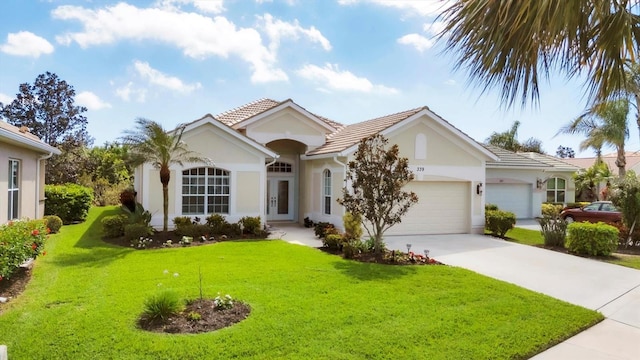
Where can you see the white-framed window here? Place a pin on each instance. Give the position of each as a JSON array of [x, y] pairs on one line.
[[14, 189], [556, 190], [280, 167], [205, 190], [326, 192]]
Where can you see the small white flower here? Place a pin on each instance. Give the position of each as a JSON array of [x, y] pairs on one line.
[[165, 272], [176, 274], [159, 284]]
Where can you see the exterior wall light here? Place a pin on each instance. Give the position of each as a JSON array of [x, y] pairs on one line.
[[479, 189]]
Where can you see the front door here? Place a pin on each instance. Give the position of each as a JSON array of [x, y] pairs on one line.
[[280, 198]]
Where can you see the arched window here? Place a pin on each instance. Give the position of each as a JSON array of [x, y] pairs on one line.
[[556, 190], [205, 190], [326, 191], [421, 147]]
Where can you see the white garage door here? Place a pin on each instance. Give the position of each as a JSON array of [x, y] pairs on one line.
[[510, 197], [442, 208]]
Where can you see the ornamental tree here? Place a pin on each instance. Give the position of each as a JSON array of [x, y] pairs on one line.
[[377, 175]]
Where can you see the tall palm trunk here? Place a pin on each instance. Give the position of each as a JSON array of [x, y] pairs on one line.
[[621, 162], [165, 176]]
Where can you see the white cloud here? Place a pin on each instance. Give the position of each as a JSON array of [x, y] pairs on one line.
[[278, 29], [130, 90], [156, 77], [450, 82], [206, 6], [91, 101], [331, 77], [198, 36], [25, 43], [418, 7], [434, 27], [5, 99], [419, 42]]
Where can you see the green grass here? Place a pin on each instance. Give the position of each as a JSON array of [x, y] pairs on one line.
[[85, 296], [534, 237]]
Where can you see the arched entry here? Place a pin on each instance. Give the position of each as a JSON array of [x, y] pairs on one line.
[[283, 180]]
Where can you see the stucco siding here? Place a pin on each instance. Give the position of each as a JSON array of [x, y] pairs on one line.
[[248, 192], [30, 205], [288, 121], [207, 141]]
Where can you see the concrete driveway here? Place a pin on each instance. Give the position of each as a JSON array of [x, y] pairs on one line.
[[610, 289]]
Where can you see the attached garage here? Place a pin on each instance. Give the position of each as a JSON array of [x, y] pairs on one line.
[[511, 197], [443, 208]]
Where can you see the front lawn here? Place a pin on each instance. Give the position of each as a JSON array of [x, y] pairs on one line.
[[86, 295]]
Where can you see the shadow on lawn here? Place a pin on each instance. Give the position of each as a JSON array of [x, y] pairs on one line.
[[373, 271], [95, 253]]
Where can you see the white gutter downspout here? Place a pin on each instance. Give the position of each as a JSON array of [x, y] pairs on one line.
[[37, 202]]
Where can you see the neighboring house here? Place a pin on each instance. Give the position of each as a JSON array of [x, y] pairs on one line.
[[631, 157], [281, 162], [521, 182], [22, 172]]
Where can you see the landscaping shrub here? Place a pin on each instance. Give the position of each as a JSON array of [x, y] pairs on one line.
[[251, 225], [492, 207], [625, 240], [598, 239], [322, 229], [20, 241], [352, 226], [218, 223], [553, 229], [113, 225], [128, 198], [162, 305], [552, 210], [53, 222], [70, 202], [498, 222], [332, 241], [138, 216], [194, 231], [136, 231]]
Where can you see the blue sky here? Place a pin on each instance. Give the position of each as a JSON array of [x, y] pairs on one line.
[[174, 61]]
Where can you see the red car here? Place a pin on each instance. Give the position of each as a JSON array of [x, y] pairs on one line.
[[596, 211]]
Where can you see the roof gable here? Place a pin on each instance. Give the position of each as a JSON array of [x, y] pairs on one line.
[[209, 119]]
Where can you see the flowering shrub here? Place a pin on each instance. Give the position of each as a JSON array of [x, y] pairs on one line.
[[141, 242], [223, 302], [20, 241]]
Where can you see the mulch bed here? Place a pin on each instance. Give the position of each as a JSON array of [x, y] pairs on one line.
[[14, 286], [160, 238], [211, 319], [388, 258]]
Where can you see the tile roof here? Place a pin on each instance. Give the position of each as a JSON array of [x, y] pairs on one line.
[[352, 134], [23, 137], [18, 131], [632, 158], [556, 162], [247, 111], [509, 159]]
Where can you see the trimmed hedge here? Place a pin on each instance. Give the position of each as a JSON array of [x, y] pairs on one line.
[[553, 229], [498, 222], [592, 239], [70, 202], [551, 210], [113, 226], [54, 223]]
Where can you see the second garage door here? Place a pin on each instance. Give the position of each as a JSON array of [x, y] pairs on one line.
[[511, 197], [443, 208]]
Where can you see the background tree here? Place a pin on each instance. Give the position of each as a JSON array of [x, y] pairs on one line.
[[603, 124], [150, 143], [377, 175], [625, 195], [565, 152], [508, 140], [588, 181], [511, 44], [47, 109]]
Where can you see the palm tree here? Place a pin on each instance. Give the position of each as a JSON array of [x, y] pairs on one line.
[[512, 44], [150, 143], [604, 124]]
